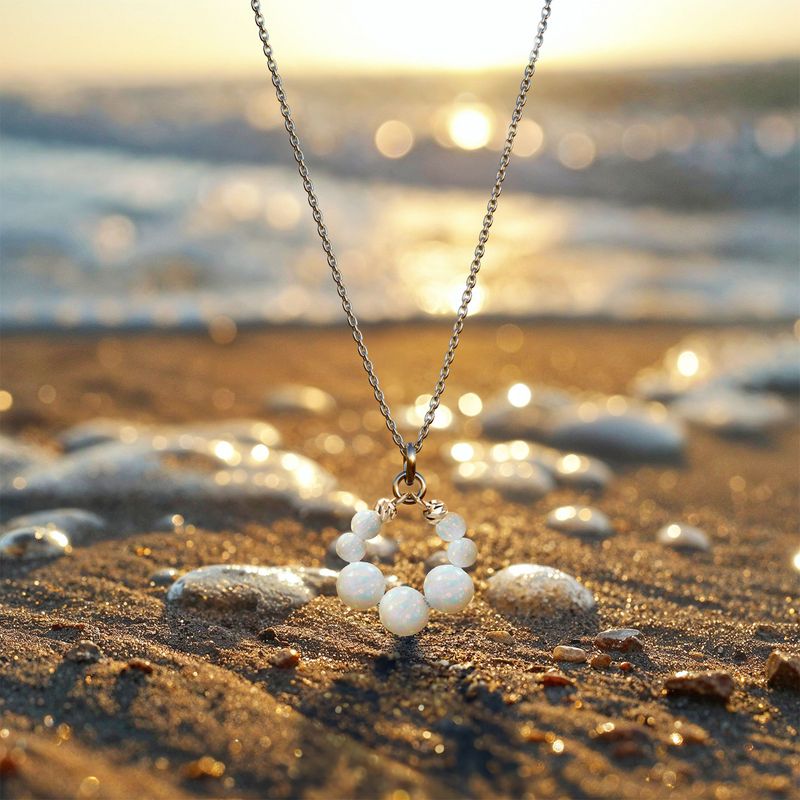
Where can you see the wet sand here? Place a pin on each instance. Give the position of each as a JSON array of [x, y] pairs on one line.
[[179, 704]]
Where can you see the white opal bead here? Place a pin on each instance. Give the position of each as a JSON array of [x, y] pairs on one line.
[[366, 524], [448, 588], [360, 585], [350, 547], [462, 553], [403, 611], [452, 527]]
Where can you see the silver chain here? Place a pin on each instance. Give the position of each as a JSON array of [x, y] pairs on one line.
[[327, 247]]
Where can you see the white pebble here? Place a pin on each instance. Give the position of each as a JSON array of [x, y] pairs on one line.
[[462, 553], [403, 611], [452, 527], [683, 537], [366, 524], [360, 585], [350, 547], [448, 588], [536, 590]]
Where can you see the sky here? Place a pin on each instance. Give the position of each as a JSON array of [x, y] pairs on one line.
[[132, 41]]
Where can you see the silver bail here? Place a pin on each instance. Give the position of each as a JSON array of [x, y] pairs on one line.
[[411, 463]]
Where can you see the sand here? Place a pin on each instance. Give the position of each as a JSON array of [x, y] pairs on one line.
[[180, 704]]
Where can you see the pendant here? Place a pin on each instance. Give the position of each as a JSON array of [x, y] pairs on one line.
[[447, 588]]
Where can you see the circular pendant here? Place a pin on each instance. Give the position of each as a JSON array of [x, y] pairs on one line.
[[404, 610]]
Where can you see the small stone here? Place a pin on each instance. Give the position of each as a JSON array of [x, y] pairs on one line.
[[436, 559], [783, 670], [34, 542], [714, 685], [205, 767], [504, 637], [164, 577], [600, 661], [626, 666], [84, 652], [286, 658], [574, 655], [140, 665], [680, 536], [696, 655], [624, 640], [554, 679], [580, 521]]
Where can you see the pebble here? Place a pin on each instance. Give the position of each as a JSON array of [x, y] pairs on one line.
[[140, 665], [783, 670], [624, 640], [286, 658], [30, 543], [624, 429], [733, 411], [164, 577], [580, 521], [714, 685], [626, 666], [567, 469], [554, 679], [581, 472], [78, 524], [537, 590], [266, 590], [503, 637], [600, 661], [574, 655], [228, 460], [17, 456], [681, 536], [84, 651], [523, 410], [520, 480], [300, 399]]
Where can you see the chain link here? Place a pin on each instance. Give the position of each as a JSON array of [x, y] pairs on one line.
[[480, 249]]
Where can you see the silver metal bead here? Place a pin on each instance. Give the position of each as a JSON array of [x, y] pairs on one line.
[[435, 511], [386, 508]]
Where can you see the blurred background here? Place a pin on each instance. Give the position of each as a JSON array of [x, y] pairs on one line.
[[147, 180]]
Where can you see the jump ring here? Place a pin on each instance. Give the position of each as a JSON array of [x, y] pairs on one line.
[[409, 498]]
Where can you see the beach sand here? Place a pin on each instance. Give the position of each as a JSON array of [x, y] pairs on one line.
[[180, 704]]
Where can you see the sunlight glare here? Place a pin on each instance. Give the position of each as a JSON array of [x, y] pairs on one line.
[[470, 127]]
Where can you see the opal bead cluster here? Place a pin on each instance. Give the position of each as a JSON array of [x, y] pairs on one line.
[[403, 610]]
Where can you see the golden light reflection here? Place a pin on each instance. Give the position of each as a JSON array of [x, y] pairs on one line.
[[673, 531], [688, 363], [394, 139], [520, 395], [470, 404], [462, 451], [260, 453], [470, 126], [570, 463], [796, 561]]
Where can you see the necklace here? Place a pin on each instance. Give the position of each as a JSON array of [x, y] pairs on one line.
[[361, 585]]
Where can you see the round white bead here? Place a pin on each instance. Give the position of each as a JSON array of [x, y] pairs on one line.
[[360, 585], [448, 588], [350, 547], [462, 553], [452, 527], [403, 611], [366, 524]]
